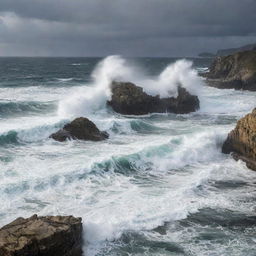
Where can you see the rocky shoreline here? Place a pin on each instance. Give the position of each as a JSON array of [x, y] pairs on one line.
[[241, 141], [42, 236], [62, 235], [128, 99], [236, 71]]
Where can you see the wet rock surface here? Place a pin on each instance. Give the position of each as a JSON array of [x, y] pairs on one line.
[[242, 141], [80, 129], [129, 99], [42, 236], [236, 71]]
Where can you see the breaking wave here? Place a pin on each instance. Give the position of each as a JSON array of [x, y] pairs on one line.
[[94, 96], [16, 108]]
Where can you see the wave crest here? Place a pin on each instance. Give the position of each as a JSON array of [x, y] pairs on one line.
[[93, 97]]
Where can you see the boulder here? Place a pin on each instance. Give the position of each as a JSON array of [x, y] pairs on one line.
[[236, 71], [129, 99], [81, 129], [242, 141], [42, 236]]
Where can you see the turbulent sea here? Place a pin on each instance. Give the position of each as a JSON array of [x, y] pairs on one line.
[[158, 186]]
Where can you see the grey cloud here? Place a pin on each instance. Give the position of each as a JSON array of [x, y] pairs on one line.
[[141, 27]]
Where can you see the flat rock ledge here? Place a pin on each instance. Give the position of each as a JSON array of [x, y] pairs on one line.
[[80, 129], [241, 142], [42, 236], [130, 99]]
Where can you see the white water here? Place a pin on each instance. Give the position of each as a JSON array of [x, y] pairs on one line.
[[114, 68], [150, 170]]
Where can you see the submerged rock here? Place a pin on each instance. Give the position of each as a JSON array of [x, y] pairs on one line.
[[129, 99], [82, 129], [242, 141], [42, 236], [237, 71]]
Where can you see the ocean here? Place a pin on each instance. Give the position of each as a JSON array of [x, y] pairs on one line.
[[158, 186]]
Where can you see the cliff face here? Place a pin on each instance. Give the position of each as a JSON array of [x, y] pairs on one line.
[[236, 71], [242, 140]]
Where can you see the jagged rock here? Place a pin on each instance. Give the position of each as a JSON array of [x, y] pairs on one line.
[[42, 236], [242, 141], [82, 129], [129, 99], [237, 71]]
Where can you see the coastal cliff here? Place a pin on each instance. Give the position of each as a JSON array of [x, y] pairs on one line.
[[237, 71]]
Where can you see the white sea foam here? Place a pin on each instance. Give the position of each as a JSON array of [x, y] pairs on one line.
[[226, 101], [94, 97], [177, 74], [190, 150], [133, 181]]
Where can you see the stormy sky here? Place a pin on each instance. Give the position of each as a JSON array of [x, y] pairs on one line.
[[126, 27]]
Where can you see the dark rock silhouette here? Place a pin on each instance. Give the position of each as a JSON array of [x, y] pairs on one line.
[[129, 99], [81, 129]]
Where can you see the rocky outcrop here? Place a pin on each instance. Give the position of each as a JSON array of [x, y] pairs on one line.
[[129, 99], [237, 71], [42, 236], [80, 129], [242, 141]]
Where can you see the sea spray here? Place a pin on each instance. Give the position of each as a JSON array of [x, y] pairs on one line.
[[146, 190], [93, 97], [177, 74]]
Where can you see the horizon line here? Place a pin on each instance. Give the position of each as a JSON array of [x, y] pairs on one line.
[[38, 56]]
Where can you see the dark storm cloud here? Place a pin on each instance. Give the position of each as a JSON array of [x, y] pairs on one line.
[[130, 27]]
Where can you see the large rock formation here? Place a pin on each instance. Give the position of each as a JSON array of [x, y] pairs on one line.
[[42, 236], [129, 99], [242, 140], [82, 129], [236, 71]]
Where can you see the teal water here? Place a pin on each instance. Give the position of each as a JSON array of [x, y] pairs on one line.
[[159, 186]]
